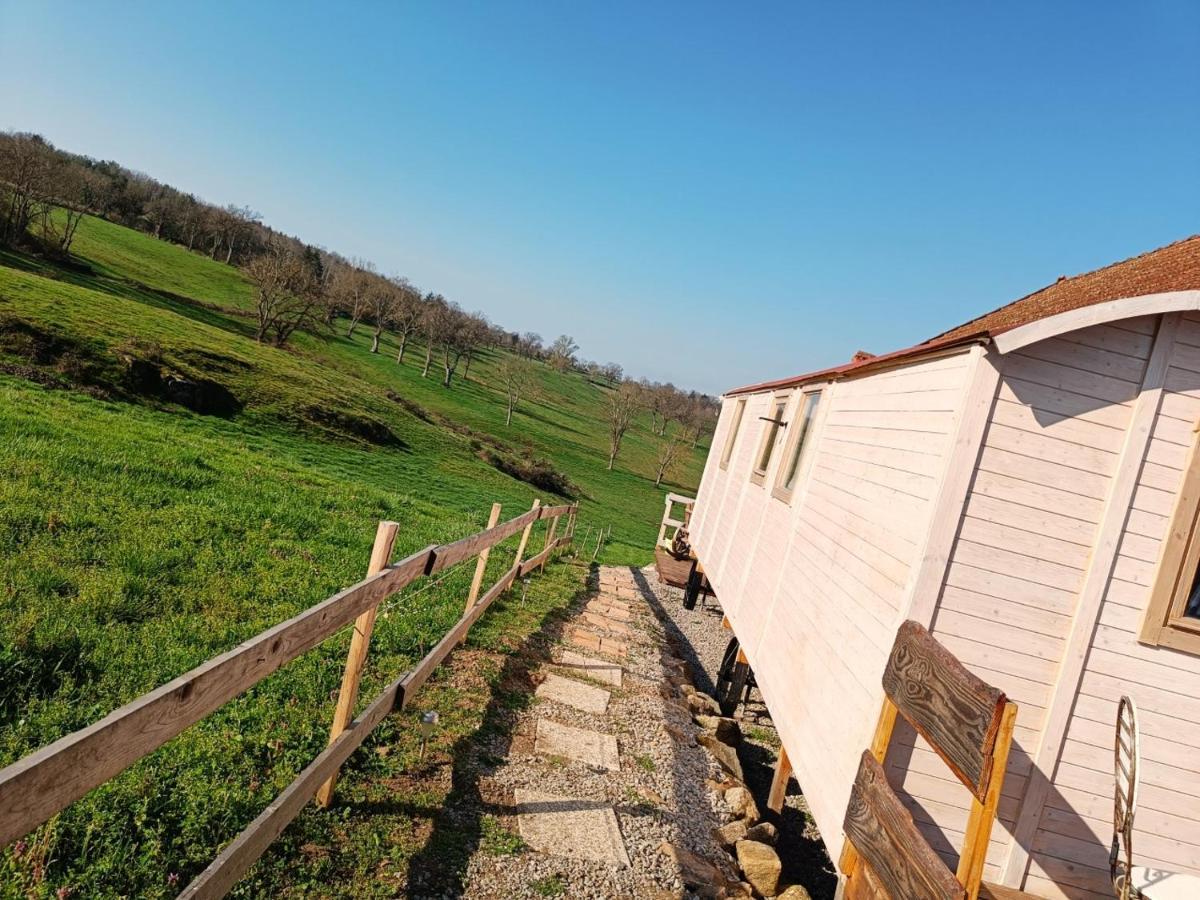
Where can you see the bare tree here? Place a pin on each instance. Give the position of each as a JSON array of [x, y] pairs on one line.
[[288, 296], [562, 352], [620, 407], [406, 314], [25, 173], [670, 449], [433, 323], [613, 373], [381, 297], [530, 345], [477, 332], [516, 378]]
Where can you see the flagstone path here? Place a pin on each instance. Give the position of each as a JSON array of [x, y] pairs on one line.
[[602, 769]]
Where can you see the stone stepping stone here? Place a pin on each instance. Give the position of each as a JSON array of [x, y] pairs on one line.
[[606, 623], [574, 693], [596, 669], [589, 747], [611, 610], [589, 640], [566, 826]]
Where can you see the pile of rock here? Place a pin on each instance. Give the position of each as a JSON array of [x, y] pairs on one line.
[[751, 842]]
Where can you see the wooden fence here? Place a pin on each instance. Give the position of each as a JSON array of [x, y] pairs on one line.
[[48, 780]]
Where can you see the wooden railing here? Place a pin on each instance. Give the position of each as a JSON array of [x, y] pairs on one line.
[[48, 780]]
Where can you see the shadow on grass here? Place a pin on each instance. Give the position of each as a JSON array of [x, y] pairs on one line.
[[439, 869]]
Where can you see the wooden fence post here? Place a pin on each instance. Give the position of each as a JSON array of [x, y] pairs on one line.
[[549, 541], [481, 564], [381, 555], [525, 536]]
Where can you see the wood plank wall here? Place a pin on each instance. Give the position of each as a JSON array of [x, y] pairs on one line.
[[815, 588], [1069, 854]]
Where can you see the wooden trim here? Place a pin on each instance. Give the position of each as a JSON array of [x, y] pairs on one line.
[[1097, 314], [809, 434], [925, 584], [1163, 625], [770, 437], [356, 656], [49, 779], [1087, 610], [727, 450]]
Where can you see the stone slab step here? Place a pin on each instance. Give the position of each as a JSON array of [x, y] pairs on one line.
[[574, 693], [589, 747], [565, 826], [596, 669]]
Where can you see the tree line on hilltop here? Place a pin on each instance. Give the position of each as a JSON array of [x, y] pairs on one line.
[[46, 191]]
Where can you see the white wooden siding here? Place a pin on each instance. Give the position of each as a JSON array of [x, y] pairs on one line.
[[1076, 825], [1025, 539], [815, 589]]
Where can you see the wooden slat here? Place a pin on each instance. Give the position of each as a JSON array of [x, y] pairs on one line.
[[49, 779], [884, 835], [954, 710], [450, 554]]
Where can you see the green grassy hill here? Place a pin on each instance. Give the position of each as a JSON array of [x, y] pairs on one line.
[[138, 538]]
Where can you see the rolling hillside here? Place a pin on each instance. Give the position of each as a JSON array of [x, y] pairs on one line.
[[139, 537]]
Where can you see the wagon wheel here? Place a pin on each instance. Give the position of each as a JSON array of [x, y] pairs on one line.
[[733, 679]]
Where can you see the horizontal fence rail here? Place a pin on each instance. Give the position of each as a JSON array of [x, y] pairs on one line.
[[48, 780]]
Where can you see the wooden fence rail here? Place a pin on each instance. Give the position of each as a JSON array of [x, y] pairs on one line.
[[48, 780]]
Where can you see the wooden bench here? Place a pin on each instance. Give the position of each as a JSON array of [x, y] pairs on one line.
[[969, 724]]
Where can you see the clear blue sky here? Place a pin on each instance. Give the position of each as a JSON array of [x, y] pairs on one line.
[[710, 193]]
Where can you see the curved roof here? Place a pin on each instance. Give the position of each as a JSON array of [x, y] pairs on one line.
[[1175, 267]]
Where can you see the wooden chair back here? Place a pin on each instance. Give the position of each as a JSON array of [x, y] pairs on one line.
[[1126, 755], [969, 724]]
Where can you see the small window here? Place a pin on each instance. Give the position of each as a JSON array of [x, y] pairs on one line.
[[1173, 617], [727, 450], [802, 425], [770, 434]]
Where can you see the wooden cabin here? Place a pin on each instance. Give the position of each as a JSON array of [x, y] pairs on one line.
[[1026, 486]]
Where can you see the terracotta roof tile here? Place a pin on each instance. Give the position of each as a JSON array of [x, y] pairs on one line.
[[1175, 267]]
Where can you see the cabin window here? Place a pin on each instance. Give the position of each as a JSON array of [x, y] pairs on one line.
[[727, 450], [802, 426], [1173, 616], [772, 426]]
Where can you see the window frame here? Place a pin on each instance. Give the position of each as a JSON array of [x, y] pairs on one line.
[[1164, 624], [770, 436], [735, 426], [799, 434]]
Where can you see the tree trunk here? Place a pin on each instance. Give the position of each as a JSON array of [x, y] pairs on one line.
[[467, 368], [612, 455], [428, 360], [658, 480], [508, 418], [375, 339], [229, 255], [400, 352]]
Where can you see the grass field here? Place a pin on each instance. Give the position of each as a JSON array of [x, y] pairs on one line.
[[138, 538]]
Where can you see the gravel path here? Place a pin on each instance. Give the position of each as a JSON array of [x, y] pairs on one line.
[[699, 638], [661, 793]]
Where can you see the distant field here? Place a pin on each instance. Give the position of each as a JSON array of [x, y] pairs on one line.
[[138, 538]]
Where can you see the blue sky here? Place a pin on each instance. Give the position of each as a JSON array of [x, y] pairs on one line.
[[711, 193]]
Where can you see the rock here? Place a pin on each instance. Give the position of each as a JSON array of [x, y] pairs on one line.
[[698, 873], [725, 755], [795, 892], [764, 833], [703, 704], [678, 735], [741, 803], [731, 833], [728, 731], [761, 866], [686, 689]]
